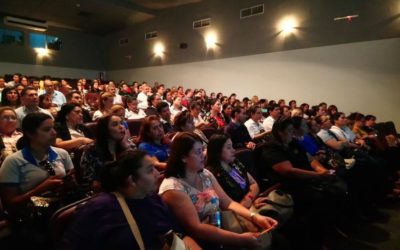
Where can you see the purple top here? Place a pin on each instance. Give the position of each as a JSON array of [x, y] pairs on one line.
[[101, 224]]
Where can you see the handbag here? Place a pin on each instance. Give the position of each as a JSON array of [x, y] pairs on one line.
[[279, 206], [233, 222], [175, 244]]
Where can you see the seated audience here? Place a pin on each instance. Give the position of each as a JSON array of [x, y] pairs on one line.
[[117, 99], [153, 101], [106, 101], [74, 97], [214, 117], [238, 131], [30, 101], [10, 98], [183, 122], [192, 193], [154, 142], [195, 110], [111, 140], [8, 132], [57, 97], [274, 114], [253, 125], [71, 133], [132, 111], [165, 117], [101, 223], [142, 97], [45, 102], [226, 112], [176, 106]]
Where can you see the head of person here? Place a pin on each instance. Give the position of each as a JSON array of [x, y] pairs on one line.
[[38, 130], [19, 88], [297, 112], [305, 107], [74, 97], [131, 103], [274, 111], [281, 103], [186, 154], [292, 104], [29, 97], [25, 81], [48, 86], [232, 98], [151, 130], [10, 97], [370, 120], [323, 121], [71, 114], [2, 82], [219, 149], [283, 130], [313, 126], [285, 111], [177, 101], [255, 113], [227, 109], [161, 89], [163, 111], [215, 106], [45, 101], [195, 108], [118, 110], [106, 101], [111, 89], [168, 95], [339, 119], [239, 115], [332, 109], [183, 122], [8, 120], [300, 126], [17, 77], [154, 99], [132, 174], [109, 128]]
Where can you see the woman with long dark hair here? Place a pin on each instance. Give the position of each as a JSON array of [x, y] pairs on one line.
[[10, 97], [111, 140]]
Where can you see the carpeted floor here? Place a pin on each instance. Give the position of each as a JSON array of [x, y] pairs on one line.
[[378, 235]]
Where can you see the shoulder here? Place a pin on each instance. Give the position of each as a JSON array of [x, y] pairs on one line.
[[61, 152], [170, 183]]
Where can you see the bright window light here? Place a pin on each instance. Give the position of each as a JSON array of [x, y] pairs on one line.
[[42, 52], [288, 25], [211, 40], [159, 50]]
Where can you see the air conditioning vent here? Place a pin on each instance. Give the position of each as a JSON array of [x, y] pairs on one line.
[[201, 23], [150, 35], [123, 41], [26, 23], [252, 11]]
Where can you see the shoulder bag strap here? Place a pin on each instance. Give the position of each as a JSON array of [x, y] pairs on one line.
[[130, 219]]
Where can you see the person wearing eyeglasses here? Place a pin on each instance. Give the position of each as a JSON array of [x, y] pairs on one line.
[[8, 132], [37, 168]]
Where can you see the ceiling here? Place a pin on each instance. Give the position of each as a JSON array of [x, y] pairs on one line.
[[93, 16]]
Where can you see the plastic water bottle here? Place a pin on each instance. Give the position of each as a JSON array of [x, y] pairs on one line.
[[215, 214]]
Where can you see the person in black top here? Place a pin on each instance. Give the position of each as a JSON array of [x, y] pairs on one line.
[[165, 117], [75, 97], [237, 130]]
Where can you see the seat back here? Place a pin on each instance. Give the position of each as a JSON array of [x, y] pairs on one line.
[[246, 156], [209, 131], [134, 126], [62, 218], [92, 126]]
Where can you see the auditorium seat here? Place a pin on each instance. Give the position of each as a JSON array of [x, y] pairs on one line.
[[134, 126], [209, 131], [246, 156], [92, 126]]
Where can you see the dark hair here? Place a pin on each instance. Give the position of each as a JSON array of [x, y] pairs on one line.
[[273, 106], [114, 174], [253, 109], [41, 99], [145, 128], [151, 98], [26, 89], [335, 117], [181, 119], [4, 101], [102, 137], [64, 111], [31, 123], [194, 104], [161, 106], [235, 111], [180, 147], [280, 125], [70, 94], [214, 151], [296, 121], [370, 117], [292, 101]]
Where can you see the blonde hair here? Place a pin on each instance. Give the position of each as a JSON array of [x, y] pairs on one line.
[[104, 98]]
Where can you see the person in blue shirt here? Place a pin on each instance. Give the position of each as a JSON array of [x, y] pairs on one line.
[[154, 142]]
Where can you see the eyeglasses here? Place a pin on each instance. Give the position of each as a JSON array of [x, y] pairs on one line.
[[8, 118], [48, 167]]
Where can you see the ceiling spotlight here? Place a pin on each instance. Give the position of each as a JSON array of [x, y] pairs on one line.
[[348, 18], [288, 25], [159, 50], [211, 40], [42, 52]]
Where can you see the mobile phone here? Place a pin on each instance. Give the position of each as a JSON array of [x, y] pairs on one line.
[[266, 231]]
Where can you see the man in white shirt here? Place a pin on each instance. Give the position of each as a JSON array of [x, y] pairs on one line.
[[343, 132], [253, 124], [117, 97], [16, 80], [274, 114], [30, 102], [142, 97], [57, 97]]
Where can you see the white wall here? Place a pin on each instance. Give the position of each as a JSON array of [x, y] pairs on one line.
[[41, 70], [362, 76]]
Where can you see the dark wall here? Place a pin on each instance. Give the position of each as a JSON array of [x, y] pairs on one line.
[[238, 37], [79, 50]]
